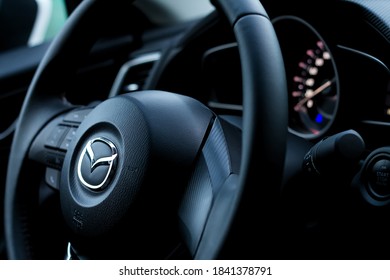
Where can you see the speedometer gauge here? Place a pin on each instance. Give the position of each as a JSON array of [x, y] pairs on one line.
[[312, 77]]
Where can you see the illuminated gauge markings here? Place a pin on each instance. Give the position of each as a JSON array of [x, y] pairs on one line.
[[313, 90]]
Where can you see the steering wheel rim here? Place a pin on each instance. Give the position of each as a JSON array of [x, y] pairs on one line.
[[264, 125]]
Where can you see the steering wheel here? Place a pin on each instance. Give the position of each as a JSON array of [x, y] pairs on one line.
[[139, 173]]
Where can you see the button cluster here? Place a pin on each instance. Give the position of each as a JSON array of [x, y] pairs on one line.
[[57, 143], [62, 135]]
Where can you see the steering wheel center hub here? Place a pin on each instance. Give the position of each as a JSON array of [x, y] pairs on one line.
[[104, 171]]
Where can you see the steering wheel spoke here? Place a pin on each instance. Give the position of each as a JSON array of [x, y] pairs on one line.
[[214, 176]]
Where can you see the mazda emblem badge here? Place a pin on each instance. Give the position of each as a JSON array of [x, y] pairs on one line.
[[97, 163]]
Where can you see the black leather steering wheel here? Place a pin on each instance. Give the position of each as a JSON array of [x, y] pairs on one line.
[[147, 169]]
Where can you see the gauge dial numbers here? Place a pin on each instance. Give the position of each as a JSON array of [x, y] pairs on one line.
[[311, 75]]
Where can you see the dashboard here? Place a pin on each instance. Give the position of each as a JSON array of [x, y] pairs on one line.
[[335, 54], [336, 60]]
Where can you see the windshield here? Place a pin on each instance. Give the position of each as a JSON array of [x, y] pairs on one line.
[[33, 22], [30, 22]]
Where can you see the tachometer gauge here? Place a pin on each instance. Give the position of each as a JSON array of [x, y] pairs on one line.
[[312, 77]]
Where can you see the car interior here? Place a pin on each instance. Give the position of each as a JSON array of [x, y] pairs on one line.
[[213, 129]]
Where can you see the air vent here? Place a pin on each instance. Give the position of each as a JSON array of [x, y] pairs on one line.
[[133, 74]]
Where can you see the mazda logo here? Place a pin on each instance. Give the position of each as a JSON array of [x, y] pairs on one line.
[[97, 163]]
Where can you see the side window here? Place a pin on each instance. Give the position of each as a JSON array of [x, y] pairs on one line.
[[30, 22]]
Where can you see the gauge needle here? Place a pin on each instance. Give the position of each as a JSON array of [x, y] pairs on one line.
[[312, 94]]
